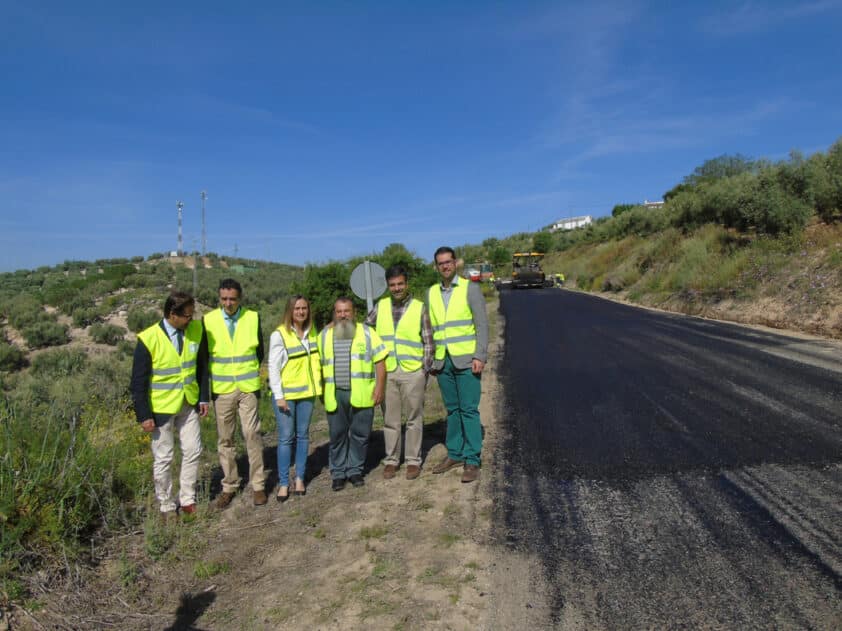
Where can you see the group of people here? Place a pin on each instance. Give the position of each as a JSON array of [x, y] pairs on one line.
[[183, 366]]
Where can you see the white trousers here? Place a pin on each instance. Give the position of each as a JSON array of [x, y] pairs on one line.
[[163, 440]]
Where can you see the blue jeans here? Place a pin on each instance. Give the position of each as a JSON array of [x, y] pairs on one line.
[[293, 427], [350, 429]]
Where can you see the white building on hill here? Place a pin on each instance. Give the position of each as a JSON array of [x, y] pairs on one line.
[[571, 222]]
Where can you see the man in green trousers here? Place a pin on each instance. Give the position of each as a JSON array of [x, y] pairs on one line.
[[460, 331]]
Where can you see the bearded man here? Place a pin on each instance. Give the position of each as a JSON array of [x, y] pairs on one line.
[[354, 369]]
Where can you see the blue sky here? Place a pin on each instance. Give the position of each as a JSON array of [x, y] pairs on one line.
[[326, 130]]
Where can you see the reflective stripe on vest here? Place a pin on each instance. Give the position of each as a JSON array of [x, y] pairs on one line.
[[366, 349], [453, 328], [233, 363], [301, 376], [405, 345], [173, 377]]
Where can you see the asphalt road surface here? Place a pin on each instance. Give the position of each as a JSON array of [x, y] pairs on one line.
[[669, 472]]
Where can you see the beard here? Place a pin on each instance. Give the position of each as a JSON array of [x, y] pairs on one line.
[[344, 329]]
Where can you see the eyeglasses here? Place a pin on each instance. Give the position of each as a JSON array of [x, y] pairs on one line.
[[446, 263], [189, 316]]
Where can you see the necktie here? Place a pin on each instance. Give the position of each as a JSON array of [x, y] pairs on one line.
[[179, 336], [231, 327]]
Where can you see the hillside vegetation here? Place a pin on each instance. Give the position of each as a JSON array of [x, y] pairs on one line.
[[746, 240]]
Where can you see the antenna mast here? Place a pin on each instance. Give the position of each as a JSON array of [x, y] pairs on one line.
[[180, 205], [204, 231]]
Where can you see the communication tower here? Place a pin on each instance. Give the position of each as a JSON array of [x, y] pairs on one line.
[[204, 231], [180, 205]]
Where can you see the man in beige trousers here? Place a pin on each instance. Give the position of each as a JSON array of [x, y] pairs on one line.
[[403, 324], [235, 346]]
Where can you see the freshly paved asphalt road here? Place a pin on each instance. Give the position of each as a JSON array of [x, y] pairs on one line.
[[669, 472]]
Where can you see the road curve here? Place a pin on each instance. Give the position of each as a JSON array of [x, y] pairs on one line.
[[666, 471]]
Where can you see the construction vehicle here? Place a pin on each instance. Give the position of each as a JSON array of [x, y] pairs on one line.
[[478, 272], [526, 272]]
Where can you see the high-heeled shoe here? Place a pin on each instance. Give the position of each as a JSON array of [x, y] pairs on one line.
[[300, 492], [282, 498]]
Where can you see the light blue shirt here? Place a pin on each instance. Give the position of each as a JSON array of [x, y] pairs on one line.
[[172, 332], [231, 320]]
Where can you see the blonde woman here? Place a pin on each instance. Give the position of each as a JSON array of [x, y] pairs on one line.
[[295, 377]]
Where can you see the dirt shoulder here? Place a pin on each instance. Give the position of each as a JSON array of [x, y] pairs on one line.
[[394, 554]]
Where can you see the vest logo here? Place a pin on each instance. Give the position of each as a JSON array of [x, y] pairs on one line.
[[194, 347], [361, 347]]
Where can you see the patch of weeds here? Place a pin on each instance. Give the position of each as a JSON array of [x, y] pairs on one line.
[[129, 573], [383, 566], [329, 610], [454, 598], [377, 607], [158, 537], [33, 604], [451, 510], [311, 520], [374, 532], [279, 614], [203, 569], [447, 539], [472, 565], [419, 502], [430, 573], [319, 533]]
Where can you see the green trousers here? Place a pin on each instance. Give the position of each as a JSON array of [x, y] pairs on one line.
[[460, 390]]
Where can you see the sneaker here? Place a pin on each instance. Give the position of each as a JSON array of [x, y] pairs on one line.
[[446, 465], [224, 500], [412, 471], [389, 471], [259, 497], [357, 480]]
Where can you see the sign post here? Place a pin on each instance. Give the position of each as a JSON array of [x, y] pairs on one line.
[[368, 281]]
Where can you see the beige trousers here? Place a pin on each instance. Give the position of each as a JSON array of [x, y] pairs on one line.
[[186, 422], [226, 408], [404, 391]]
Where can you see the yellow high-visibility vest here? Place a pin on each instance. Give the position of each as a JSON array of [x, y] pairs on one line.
[[301, 376], [366, 349], [406, 348], [233, 363], [173, 376], [453, 328]]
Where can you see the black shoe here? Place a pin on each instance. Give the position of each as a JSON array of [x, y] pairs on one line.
[[357, 480], [338, 484]]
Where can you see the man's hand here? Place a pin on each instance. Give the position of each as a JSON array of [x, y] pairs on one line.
[[378, 394], [283, 405], [203, 409], [477, 366], [148, 425]]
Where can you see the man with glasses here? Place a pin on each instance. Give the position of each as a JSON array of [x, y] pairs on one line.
[[460, 331], [169, 388]]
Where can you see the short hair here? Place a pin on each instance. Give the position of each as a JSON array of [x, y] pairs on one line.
[[176, 302], [230, 283], [343, 299], [397, 270], [445, 249], [287, 320]]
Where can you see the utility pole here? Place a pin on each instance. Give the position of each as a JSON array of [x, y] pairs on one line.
[[204, 231], [195, 269], [180, 207]]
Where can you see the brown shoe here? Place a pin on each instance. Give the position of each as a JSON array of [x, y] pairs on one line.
[[470, 473], [389, 471], [224, 500], [259, 497], [446, 465], [412, 471]]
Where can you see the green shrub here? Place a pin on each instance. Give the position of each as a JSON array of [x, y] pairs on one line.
[[25, 311], [11, 357], [106, 333], [139, 319], [43, 334], [59, 362]]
